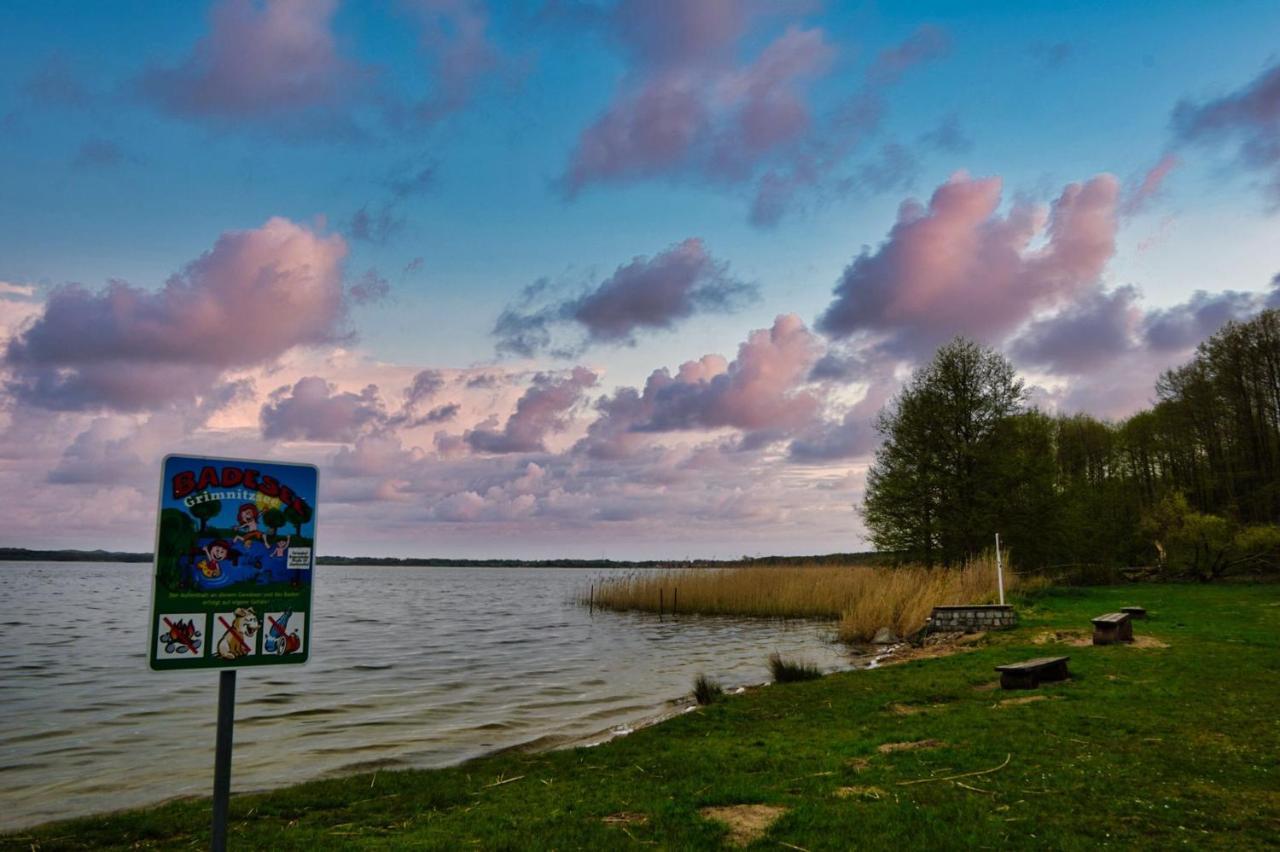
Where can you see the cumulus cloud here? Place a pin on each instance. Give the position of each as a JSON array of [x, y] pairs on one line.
[[1248, 118], [255, 295], [690, 105], [956, 266], [760, 392], [542, 410], [1181, 327], [314, 410], [645, 294], [1087, 334], [276, 61]]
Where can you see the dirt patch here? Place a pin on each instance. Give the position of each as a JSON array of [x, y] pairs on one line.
[[904, 709], [1075, 638], [907, 653], [746, 823], [626, 818], [1026, 699], [890, 748], [861, 793], [1148, 642], [989, 686], [857, 764]]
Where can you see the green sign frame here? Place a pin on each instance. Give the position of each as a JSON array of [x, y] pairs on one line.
[[234, 567]]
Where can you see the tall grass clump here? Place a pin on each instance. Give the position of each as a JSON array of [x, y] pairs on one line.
[[791, 671], [861, 598], [706, 691]]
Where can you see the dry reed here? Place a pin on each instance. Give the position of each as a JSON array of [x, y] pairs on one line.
[[863, 599]]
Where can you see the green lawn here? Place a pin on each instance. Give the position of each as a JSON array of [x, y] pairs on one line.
[[1144, 747]]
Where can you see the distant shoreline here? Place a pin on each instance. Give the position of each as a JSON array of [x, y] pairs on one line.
[[22, 554]]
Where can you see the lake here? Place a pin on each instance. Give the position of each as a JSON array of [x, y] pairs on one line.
[[411, 667]]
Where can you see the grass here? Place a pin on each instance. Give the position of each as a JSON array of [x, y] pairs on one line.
[[706, 691], [1145, 748], [862, 598], [791, 671]]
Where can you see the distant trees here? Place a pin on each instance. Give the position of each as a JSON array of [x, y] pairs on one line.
[[1192, 484]]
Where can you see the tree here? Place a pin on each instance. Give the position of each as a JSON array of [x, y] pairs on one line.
[[935, 488], [274, 519], [204, 512], [298, 515]]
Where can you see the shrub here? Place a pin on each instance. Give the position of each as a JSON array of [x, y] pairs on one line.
[[789, 671], [706, 691]]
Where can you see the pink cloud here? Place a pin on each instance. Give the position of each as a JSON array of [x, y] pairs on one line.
[[760, 391], [255, 295], [688, 104], [277, 60], [958, 267], [456, 44], [645, 294], [1138, 197], [542, 410], [313, 410]]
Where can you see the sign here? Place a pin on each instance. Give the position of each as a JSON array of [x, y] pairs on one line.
[[234, 559]]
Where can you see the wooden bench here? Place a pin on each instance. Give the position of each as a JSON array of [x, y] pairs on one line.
[[1031, 673], [1134, 611], [1111, 628]]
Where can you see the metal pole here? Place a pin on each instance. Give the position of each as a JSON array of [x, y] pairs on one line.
[[999, 570], [222, 759]]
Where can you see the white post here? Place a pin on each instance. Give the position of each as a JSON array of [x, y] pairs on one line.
[[999, 570]]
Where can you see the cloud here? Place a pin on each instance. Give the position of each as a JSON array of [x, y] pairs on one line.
[[1248, 118], [760, 391], [958, 267], [456, 45], [313, 410], [1139, 196], [371, 287], [1086, 335], [1181, 327], [645, 294], [1050, 55], [688, 105], [376, 224], [275, 62], [9, 289], [255, 295], [541, 411]]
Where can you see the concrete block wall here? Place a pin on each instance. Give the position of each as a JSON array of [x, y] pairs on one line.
[[971, 618]]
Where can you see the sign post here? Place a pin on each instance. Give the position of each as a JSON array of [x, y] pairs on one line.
[[232, 580], [999, 570]]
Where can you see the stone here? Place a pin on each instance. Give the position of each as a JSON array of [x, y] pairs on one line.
[[884, 636]]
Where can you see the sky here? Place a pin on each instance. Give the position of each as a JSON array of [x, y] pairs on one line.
[[598, 280]]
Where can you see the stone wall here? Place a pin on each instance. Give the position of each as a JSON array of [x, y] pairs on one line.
[[971, 618]]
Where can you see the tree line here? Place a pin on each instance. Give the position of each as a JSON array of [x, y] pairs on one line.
[[1190, 486]]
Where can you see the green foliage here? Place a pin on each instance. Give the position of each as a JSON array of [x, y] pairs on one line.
[[204, 512], [791, 671], [707, 691], [957, 447], [298, 517], [274, 519], [177, 536]]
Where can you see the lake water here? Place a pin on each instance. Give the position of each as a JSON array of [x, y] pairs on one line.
[[411, 667]]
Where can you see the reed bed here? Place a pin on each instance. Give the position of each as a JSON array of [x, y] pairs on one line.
[[861, 598]]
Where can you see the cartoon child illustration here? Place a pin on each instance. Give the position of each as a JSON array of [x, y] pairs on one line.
[[237, 636], [282, 547], [247, 525], [215, 552]]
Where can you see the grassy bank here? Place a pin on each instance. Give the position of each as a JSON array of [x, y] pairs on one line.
[[1146, 747], [862, 598]]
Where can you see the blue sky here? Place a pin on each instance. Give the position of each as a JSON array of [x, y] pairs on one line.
[[106, 179]]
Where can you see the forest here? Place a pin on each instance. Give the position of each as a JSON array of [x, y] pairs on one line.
[[1188, 487]]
